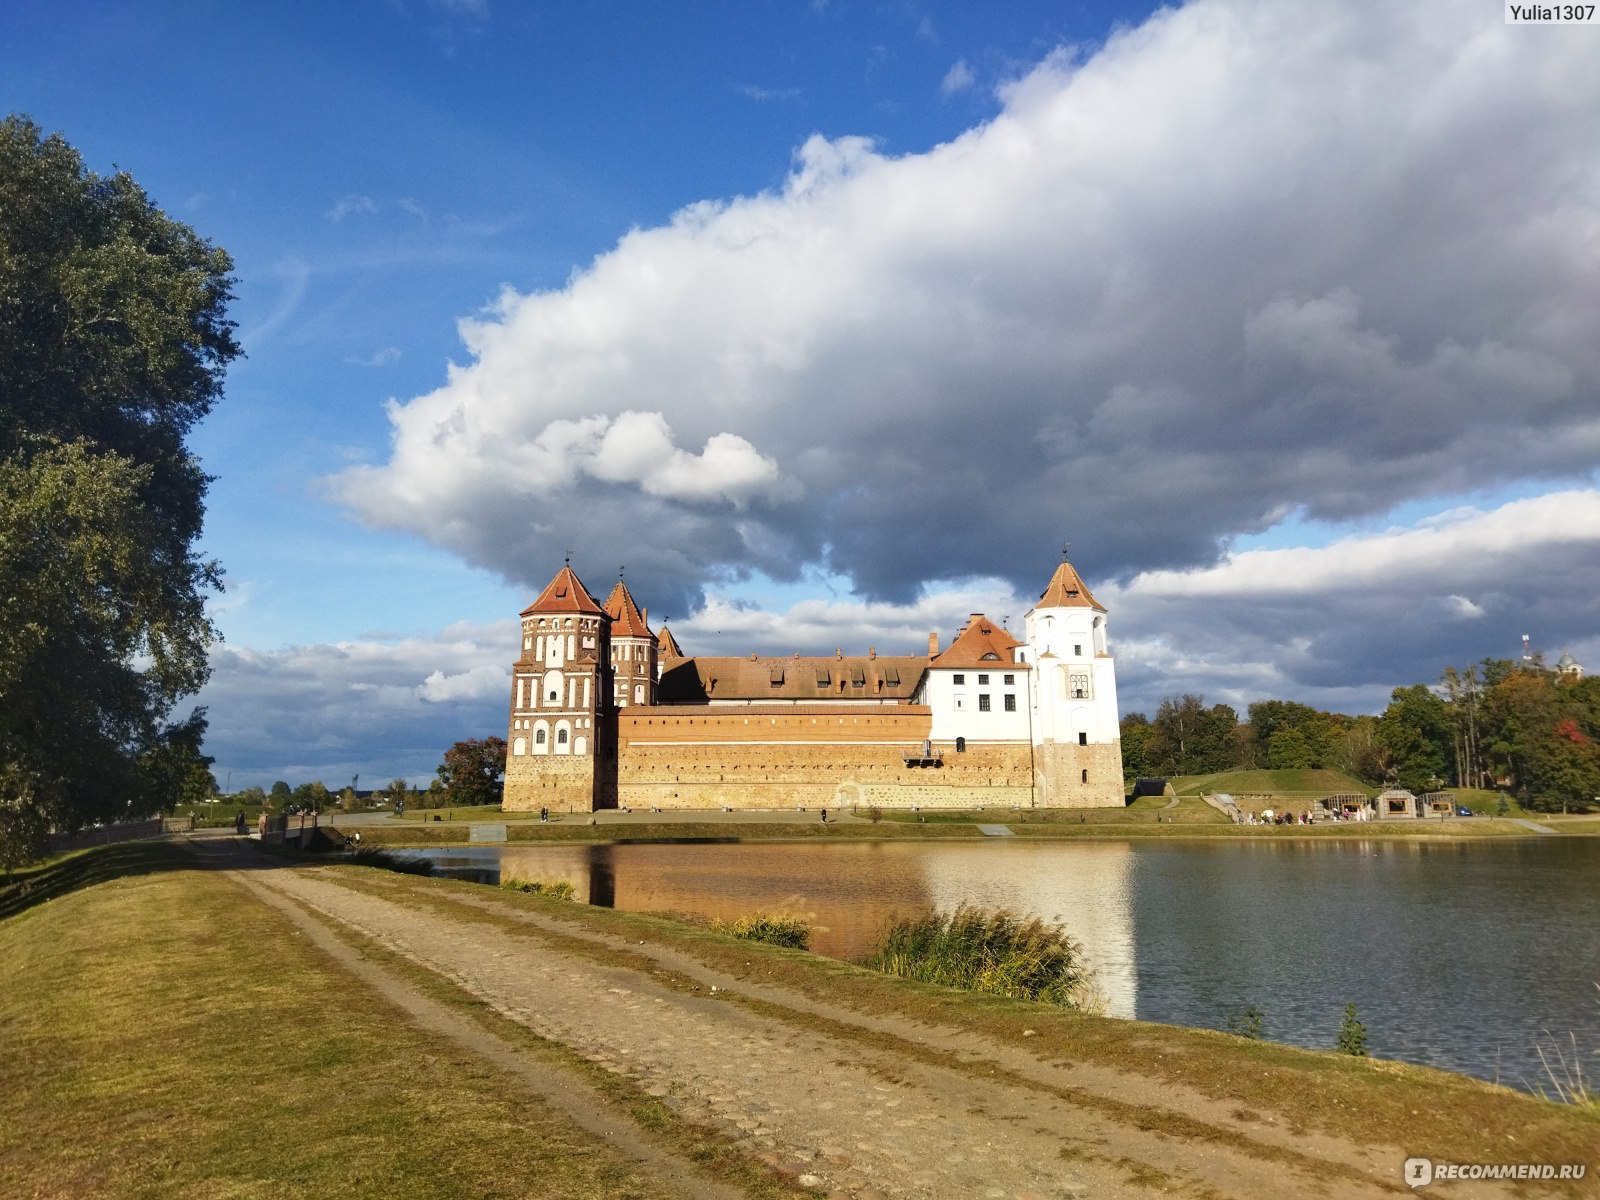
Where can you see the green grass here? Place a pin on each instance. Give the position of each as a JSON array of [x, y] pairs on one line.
[[1307, 783], [995, 952], [167, 1035]]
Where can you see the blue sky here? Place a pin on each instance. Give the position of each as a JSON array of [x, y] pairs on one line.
[[833, 320]]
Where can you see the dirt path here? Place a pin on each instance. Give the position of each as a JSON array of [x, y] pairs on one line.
[[853, 1105]]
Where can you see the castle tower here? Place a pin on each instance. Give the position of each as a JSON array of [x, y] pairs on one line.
[[1077, 737], [633, 650], [560, 697]]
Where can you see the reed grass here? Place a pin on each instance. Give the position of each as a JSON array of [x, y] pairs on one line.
[[560, 889], [774, 930], [983, 951]]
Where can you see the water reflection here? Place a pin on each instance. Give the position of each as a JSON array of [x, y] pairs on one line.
[[1462, 955]]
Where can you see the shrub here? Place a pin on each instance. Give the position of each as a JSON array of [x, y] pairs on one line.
[[773, 930], [1352, 1034], [1247, 1024], [996, 952], [560, 889]]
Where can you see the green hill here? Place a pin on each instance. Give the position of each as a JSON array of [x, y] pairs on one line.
[[1303, 785]]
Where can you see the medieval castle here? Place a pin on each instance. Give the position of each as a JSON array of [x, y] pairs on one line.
[[607, 714]]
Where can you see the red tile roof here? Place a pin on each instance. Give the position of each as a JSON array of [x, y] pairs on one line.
[[626, 619], [830, 679], [565, 594], [1066, 590], [980, 643]]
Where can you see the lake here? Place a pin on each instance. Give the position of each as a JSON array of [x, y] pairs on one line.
[[1467, 956]]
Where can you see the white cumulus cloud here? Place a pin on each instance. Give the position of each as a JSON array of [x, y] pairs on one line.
[[1241, 260]]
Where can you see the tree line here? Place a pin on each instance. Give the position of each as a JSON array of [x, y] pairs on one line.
[[1496, 725], [471, 774]]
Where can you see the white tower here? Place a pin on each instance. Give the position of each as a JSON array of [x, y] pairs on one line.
[[1076, 730]]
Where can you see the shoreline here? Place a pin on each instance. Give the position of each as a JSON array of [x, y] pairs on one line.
[[639, 828]]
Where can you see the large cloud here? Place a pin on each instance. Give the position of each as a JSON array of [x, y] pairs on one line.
[[1245, 259]]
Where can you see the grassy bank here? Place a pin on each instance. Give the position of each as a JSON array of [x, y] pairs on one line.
[[166, 1035]]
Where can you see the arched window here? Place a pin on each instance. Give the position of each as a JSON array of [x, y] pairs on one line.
[[1086, 775], [561, 738], [961, 745], [538, 737]]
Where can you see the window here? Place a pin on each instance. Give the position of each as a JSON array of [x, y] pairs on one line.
[[1083, 738], [958, 680], [1010, 679], [961, 745], [1011, 703], [983, 702], [1078, 650], [983, 680], [554, 696], [538, 737], [561, 737], [1086, 775]]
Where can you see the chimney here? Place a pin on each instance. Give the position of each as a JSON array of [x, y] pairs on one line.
[[933, 645]]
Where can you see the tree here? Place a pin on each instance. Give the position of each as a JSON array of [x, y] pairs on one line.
[[113, 343], [1135, 732], [1189, 739], [1417, 737], [1544, 737], [472, 770], [281, 794], [1309, 736], [314, 796]]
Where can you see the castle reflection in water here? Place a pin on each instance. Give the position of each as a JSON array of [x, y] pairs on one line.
[[850, 892]]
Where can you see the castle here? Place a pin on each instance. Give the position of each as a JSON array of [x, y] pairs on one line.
[[607, 714]]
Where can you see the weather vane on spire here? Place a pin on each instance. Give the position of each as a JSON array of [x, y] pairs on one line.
[[568, 559], [1065, 546]]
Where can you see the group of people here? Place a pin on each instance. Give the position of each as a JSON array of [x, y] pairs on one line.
[[1305, 817]]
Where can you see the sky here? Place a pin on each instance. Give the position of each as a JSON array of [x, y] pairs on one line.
[[830, 323]]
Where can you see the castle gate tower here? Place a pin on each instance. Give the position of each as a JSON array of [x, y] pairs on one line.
[[560, 697]]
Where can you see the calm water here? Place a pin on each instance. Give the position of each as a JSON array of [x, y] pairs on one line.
[[1465, 956]]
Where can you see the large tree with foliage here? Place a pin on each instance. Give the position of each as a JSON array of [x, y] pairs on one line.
[[113, 342], [473, 770], [1187, 738], [1417, 737]]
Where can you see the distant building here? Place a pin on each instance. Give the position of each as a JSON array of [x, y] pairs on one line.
[[605, 713], [1567, 667]]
